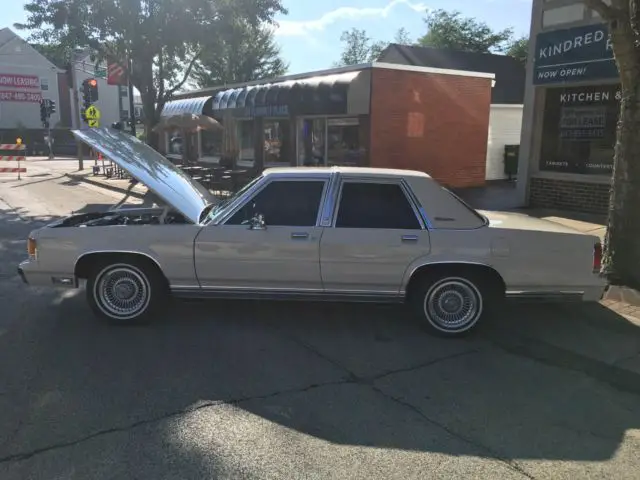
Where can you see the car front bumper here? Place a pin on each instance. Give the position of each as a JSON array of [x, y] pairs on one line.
[[32, 275]]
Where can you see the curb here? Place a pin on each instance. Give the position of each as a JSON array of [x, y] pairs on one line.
[[113, 188], [623, 294]]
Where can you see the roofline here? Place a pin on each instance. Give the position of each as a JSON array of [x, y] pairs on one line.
[[333, 71], [16, 36], [439, 71]]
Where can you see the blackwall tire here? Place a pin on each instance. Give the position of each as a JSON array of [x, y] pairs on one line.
[[125, 292]]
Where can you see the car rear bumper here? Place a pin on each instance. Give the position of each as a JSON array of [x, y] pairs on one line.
[[30, 273]]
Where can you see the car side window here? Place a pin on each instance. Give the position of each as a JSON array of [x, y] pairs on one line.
[[284, 203], [375, 205]]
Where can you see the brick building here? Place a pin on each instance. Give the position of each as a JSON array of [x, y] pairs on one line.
[[571, 110], [379, 115]]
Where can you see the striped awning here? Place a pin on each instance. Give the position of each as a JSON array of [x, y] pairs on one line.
[[280, 92], [185, 105]]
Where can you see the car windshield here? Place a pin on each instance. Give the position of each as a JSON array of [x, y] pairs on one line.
[[212, 210]]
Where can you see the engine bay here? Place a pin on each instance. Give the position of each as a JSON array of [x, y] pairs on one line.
[[116, 217]]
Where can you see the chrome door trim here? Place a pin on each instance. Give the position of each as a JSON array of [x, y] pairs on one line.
[[287, 294], [330, 200], [417, 207], [379, 180], [230, 209]]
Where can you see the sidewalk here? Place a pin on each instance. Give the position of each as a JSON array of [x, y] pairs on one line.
[[601, 340]]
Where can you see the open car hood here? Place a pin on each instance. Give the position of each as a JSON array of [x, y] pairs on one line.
[[150, 168]]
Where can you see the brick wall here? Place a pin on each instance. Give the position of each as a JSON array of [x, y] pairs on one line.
[[434, 123], [569, 195]]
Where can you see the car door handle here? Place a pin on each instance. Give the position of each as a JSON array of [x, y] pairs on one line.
[[299, 235], [409, 238]]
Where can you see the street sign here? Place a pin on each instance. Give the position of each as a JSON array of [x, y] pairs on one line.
[[94, 123], [92, 113]]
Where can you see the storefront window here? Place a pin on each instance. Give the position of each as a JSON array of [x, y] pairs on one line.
[[311, 142], [211, 143], [343, 139], [175, 143], [276, 142], [247, 145], [579, 129]]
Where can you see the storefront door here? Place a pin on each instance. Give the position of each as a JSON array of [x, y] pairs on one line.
[[311, 141]]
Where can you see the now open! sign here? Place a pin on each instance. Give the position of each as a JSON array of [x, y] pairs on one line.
[[574, 55]]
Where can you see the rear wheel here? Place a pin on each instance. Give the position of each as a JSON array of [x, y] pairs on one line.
[[124, 293], [451, 305]]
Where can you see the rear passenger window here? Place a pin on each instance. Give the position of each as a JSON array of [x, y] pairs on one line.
[[375, 205]]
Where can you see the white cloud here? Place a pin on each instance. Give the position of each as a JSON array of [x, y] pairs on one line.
[[289, 28]]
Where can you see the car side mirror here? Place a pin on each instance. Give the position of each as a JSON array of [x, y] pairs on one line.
[[257, 222]]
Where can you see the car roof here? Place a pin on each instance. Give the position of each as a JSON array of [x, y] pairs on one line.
[[347, 171]]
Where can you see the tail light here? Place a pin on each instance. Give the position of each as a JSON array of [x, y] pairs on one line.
[[597, 257], [31, 247]]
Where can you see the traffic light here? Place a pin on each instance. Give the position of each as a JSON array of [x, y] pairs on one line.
[[43, 111], [51, 107], [90, 90]]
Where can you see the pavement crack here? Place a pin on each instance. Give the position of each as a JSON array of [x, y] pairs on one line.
[[424, 364], [159, 418], [500, 458], [368, 380]]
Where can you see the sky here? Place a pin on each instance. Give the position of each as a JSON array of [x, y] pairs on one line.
[[309, 36]]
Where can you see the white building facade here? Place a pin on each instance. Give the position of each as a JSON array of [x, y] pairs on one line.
[[26, 77]]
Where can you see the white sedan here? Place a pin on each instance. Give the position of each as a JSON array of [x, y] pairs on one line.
[[343, 234]]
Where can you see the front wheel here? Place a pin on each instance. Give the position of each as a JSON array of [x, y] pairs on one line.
[[449, 305], [124, 293]]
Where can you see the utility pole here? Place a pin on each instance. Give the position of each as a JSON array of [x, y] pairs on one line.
[[76, 109], [49, 140], [132, 112]]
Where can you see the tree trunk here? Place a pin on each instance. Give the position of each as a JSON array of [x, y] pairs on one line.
[[622, 243], [150, 121]]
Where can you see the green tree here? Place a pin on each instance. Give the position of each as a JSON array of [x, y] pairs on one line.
[[453, 31], [402, 37], [241, 53], [59, 55], [358, 48], [163, 38], [519, 49], [622, 242]]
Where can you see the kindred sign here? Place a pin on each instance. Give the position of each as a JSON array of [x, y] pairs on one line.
[[574, 55]]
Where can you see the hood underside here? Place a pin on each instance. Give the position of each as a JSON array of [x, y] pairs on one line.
[[150, 168]]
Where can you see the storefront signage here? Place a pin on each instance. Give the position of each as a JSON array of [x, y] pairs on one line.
[[19, 81], [11, 96], [574, 55], [267, 111], [579, 129]]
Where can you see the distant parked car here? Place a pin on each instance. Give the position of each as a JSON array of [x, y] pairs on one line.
[[354, 234]]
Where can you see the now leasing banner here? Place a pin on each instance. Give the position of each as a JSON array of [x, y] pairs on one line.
[[19, 81], [574, 55]]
